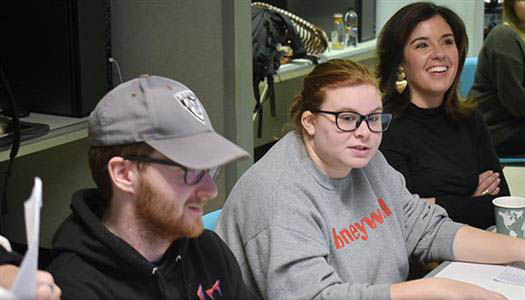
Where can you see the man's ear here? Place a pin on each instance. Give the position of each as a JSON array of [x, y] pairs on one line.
[[123, 174], [308, 122]]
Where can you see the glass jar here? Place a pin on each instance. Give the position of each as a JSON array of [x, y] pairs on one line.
[[350, 22], [338, 33]]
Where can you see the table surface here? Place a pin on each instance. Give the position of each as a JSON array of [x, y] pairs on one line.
[[480, 275]]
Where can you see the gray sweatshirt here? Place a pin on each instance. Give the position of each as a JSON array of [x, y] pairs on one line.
[[299, 234]]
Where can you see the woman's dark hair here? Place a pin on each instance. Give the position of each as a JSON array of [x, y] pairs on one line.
[[392, 40], [332, 74], [509, 15]]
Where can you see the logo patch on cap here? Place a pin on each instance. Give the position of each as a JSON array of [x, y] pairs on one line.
[[189, 101]]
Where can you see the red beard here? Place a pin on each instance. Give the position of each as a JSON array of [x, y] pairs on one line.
[[158, 214]]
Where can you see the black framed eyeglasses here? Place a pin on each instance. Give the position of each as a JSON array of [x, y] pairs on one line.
[[349, 121], [191, 176]]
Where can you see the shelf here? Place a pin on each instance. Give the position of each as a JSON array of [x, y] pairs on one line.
[[62, 130], [301, 67]]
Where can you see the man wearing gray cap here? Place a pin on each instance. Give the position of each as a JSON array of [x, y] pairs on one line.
[[154, 156]]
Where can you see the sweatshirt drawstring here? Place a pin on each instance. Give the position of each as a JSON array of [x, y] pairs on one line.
[[186, 288], [160, 282]]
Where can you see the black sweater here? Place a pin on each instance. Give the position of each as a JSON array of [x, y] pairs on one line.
[[92, 263], [441, 159]]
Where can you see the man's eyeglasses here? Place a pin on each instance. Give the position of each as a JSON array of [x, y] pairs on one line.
[[191, 176], [348, 121]]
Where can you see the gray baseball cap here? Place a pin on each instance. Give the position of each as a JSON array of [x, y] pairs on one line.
[[166, 115]]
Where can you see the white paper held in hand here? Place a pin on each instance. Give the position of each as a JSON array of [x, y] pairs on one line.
[[25, 282]]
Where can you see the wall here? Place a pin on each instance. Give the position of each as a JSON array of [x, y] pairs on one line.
[[63, 170]]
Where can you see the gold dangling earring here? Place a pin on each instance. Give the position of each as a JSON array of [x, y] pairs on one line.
[[401, 82]]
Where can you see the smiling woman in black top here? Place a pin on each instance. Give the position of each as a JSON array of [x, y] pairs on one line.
[[439, 143]]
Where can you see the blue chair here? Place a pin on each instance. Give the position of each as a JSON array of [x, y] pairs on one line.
[[514, 161], [209, 220], [466, 79]]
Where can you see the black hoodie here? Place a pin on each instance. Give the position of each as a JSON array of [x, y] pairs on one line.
[[92, 263], [11, 258]]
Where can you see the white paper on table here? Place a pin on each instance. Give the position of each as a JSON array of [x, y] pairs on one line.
[[482, 275], [25, 282], [513, 274]]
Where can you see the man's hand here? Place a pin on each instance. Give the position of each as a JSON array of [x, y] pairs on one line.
[[46, 289]]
